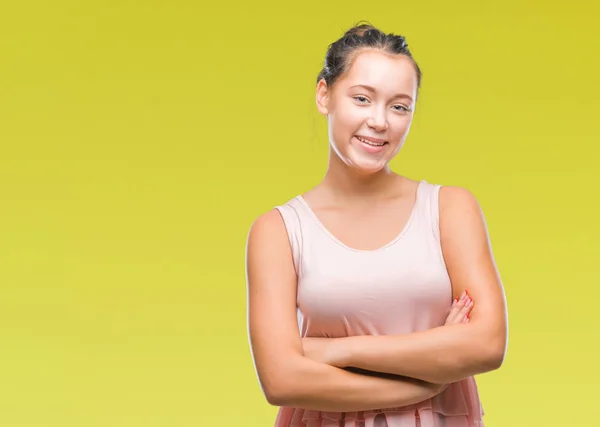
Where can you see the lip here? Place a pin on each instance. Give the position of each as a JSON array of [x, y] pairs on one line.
[[373, 140], [371, 148]]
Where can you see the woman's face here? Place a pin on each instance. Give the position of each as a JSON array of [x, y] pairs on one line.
[[370, 109]]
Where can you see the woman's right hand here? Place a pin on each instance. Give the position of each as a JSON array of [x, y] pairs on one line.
[[460, 310], [459, 313]]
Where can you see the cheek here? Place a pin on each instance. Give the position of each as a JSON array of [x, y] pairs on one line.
[[348, 119], [400, 126]]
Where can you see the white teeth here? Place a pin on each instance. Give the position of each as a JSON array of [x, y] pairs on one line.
[[369, 142]]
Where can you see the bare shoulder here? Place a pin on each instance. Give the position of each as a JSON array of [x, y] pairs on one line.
[[462, 223], [469, 260], [271, 294], [467, 248], [268, 244], [268, 225], [455, 200]]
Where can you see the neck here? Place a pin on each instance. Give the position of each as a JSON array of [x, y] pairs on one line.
[[345, 183]]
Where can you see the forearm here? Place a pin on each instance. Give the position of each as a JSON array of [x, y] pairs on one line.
[[440, 355], [313, 385]]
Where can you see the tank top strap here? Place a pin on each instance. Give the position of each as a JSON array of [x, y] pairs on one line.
[[428, 206], [291, 214]]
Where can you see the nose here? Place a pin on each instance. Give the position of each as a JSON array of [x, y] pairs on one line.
[[377, 121]]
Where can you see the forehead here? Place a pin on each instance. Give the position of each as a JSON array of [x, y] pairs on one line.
[[386, 72]]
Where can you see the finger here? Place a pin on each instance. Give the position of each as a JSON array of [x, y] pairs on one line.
[[459, 303], [455, 315], [460, 309], [466, 308], [453, 312]]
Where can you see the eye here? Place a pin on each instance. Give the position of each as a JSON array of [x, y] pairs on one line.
[[360, 99], [401, 108]]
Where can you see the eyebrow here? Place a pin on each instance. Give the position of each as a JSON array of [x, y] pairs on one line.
[[372, 89]]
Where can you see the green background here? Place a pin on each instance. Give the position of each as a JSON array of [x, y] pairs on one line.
[[140, 139]]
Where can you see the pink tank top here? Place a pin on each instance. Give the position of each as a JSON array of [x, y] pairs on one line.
[[397, 289]]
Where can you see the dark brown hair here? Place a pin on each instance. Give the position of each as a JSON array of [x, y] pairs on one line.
[[341, 53]]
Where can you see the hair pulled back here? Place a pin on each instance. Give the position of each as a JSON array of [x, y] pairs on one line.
[[342, 52]]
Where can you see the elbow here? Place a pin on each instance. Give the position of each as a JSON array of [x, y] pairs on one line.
[[494, 356], [495, 361], [282, 384], [278, 390], [489, 347], [273, 398], [278, 395], [275, 392]]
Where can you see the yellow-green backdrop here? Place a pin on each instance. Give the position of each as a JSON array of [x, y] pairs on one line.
[[140, 139]]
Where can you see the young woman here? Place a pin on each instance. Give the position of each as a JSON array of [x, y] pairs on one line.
[[373, 299]]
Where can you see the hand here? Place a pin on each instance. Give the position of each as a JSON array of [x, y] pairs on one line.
[[460, 310], [459, 313]]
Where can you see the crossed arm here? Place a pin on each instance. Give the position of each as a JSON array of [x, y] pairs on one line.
[[308, 373], [452, 352]]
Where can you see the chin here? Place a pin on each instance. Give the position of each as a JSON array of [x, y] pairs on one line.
[[363, 162], [368, 164], [370, 167]]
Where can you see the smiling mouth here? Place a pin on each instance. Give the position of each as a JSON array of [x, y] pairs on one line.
[[376, 143]]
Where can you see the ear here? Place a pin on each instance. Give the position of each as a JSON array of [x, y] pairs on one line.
[[322, 97]]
